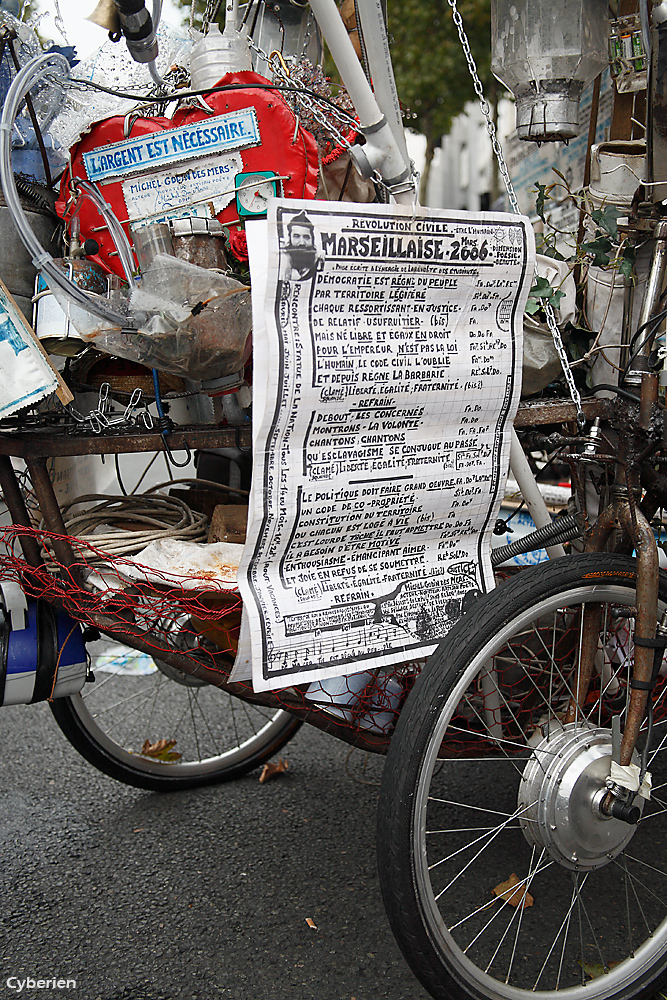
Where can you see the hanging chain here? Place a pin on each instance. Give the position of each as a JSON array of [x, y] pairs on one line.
[[514, 204], [59, 23], [336, 123], [484, 107], [565, 364], [211, 13]]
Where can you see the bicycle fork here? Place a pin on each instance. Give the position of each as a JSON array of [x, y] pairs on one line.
[[623, 513]]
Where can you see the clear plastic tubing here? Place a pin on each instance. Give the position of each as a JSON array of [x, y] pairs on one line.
[[121, 241], [152, 66], [55, 65]]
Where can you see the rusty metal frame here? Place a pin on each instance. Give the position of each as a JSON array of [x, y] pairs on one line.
[[36, 446], [55, 443], [290, 700]]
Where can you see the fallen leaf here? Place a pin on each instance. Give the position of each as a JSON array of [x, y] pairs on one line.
[[162, 750], [269, 770], [513, 896], [311, 923], [595, 969]]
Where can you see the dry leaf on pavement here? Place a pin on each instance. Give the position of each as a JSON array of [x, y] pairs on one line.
[[270, 770], [513, 892], [161, 750]]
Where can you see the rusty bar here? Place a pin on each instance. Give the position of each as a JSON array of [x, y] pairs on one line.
[[18, 511], [592, 613], [637, 527], [649, 396], [219, 678], [602, 529], [645, 623], [559, 411], [589, 644], [45, 445], [52, 515]]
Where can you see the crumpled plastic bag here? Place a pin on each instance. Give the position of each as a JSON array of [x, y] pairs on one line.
[[192, 321]]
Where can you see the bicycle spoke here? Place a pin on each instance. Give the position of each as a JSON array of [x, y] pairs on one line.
[[566, 921], [499, 830]]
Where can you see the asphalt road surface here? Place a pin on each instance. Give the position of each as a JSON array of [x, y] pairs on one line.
[[197, 895]]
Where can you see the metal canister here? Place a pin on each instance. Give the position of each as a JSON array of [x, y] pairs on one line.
[[200, 241], [50, 323], [17, 270]]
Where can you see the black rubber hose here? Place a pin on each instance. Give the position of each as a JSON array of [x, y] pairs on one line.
[[618, 390], [129, 6]]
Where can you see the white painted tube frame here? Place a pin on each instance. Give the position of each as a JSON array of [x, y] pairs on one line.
[[381, 151], [530, 492]]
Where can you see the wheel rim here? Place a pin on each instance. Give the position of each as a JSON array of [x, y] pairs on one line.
[[213, 731], [468, 844]]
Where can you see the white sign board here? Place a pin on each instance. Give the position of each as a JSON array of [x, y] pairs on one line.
[[387, 349]]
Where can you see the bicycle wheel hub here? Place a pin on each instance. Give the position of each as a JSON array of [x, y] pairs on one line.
[[560, 795]]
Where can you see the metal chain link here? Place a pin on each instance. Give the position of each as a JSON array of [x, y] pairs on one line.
[[514, 204], [565, 364], [211, 13], [59, 23], [484, 107], [332, 120]]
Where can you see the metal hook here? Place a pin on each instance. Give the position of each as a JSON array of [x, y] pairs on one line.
[[170, 454]]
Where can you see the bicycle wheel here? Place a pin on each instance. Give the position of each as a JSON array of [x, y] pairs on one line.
[[501, 876], [118, 721]]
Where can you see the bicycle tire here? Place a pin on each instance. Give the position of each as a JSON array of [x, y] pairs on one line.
[[595, 927], [217, 737]]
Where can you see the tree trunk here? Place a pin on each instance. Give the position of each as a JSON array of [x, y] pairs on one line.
[[428, 159]]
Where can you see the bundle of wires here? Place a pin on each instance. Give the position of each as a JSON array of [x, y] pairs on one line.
[[123, 526]]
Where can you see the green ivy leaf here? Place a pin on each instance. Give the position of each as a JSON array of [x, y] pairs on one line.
[[599, 248], [540, 293], [550, 251], [626, 265], [542, 195], [577, 342], [555, 298], [606, 218]]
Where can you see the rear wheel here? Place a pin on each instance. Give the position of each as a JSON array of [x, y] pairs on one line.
[[123, 723], [501, 875]]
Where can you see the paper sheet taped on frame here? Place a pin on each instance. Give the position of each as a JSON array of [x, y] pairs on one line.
[[387, 375]]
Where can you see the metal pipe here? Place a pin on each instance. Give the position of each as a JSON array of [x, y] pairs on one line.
[[592, 615], [637, 527], [219, 678], [649, 396], [53, 518], [492, 700], [590, 636], [652, 293], [380, 151], [19, 512], [645, 622]]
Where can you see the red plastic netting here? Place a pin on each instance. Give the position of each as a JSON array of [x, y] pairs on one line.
[[161, 614]]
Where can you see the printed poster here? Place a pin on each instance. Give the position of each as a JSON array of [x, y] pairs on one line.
[[387, 347]]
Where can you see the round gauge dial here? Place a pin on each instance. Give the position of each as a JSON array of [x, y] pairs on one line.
[[253, 192]]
